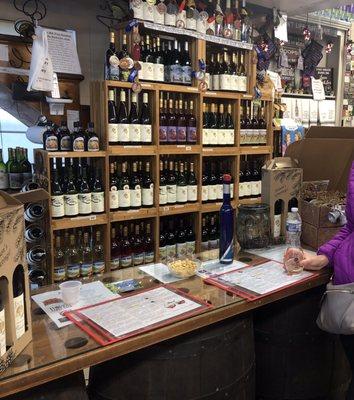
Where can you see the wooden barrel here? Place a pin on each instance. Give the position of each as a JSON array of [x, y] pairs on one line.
[[213, 363], [295, 360], [71, 387]]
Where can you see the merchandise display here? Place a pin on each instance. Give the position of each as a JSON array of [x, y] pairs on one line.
[[173, 172]]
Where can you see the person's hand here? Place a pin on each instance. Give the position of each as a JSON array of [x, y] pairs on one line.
[[314, 263]]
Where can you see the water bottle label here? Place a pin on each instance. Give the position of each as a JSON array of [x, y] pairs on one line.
[[293, 227], [86, 269]]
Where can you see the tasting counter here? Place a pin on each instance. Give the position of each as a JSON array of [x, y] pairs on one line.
[[48, 357]]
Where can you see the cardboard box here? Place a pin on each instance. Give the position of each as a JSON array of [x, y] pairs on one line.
[[281, 180], [13, 256], [315, 236], [326, 153]]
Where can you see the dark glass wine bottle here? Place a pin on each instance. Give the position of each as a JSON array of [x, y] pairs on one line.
[[145, 121], [84, 196], [97, 193], [112, 119], [226, 249], [64, 137], [135, 188], [147, 187], [57, 197], [18, 290]]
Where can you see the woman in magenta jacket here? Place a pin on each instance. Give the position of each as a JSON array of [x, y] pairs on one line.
[[339, 254]]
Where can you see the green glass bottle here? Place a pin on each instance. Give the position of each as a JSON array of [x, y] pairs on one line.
[[4, 178]]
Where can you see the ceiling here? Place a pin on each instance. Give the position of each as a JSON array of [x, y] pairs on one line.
[[300, 7]]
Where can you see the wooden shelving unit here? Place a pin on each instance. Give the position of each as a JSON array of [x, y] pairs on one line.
[[155, 151]]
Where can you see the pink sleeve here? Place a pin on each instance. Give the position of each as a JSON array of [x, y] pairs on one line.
[[329, 248]]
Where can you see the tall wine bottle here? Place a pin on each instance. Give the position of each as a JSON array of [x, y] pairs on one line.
[[18, 288], [226, 246]]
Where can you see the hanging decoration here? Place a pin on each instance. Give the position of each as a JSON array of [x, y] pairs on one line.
[[329, 47], [307, 34]]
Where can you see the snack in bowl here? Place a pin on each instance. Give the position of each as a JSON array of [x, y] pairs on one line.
[[183, 268]]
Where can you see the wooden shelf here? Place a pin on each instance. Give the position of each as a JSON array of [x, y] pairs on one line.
[[220, 151], [253, 150], [215, 207], [179, 209], [258, 200], [223, 95], [73, 154], [80, 221], [118, 216], [128, 85], [139, 150], [179, 149]]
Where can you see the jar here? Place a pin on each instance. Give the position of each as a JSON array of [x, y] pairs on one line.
[[253, 226]]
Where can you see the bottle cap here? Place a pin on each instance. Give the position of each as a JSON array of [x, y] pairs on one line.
[[294, 209], [226, 178]]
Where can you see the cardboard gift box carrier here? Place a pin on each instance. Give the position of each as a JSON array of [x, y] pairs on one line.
[[13, 257], [326, 153], [281, 180]]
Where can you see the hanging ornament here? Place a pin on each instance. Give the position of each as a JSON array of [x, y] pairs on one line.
[[329, 47], [307, 34], [349, 47]]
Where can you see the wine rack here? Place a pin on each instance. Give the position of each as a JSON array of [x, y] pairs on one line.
[[157, 151]]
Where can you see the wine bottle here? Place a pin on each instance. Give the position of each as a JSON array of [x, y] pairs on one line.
[[113, 189], [192, 185], [181, 244], [148, 243], [135, 188], [134, 123], [84, 196], [221, 127], [147, 188], [186, 65], [191, 20], [191, 123], [162, 244], [213, 235], [145, 121], [256, 181], [181, 124], [86, 267], [123, 125], [57, 197], [172, 125], [73, 259], [163, 186], [237, 22], [4, 177], [50, 139], [277, 225], [248, 181], [171, 185], [220, 183], [242, 74], [225, 77], [78, 137], [124, 55], [205, 236], [59, 261], [126, 258], [216, 73], [115, 251], [170, 241], [92, 141], [97, 193], [18, 290], [112, 61], [71, 200], [212, 184], [176, 72], [98, 255], [182, 195], [138, 248], [2, 324], [205, 185], [205, 139], [241, 188], [159, 64], [124, 189], [213, 126], [219, 19], [190, 239], [113, 136], [226, 249], [229, 126], [148, 60], [163, 121], [228, 31], [64, 137]]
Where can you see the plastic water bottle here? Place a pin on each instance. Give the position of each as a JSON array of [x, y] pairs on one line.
[[294, 253], [226, 244]]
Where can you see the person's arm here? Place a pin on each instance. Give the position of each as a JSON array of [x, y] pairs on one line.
[[329, 248]]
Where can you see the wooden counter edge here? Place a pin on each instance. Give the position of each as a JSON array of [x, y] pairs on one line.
[[41, 375]]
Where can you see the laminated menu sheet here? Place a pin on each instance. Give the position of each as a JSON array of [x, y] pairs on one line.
[[258, 281], [118, 319], [275, 253]]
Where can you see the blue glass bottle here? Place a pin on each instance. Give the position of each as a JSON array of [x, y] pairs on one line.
[[226, 247]]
